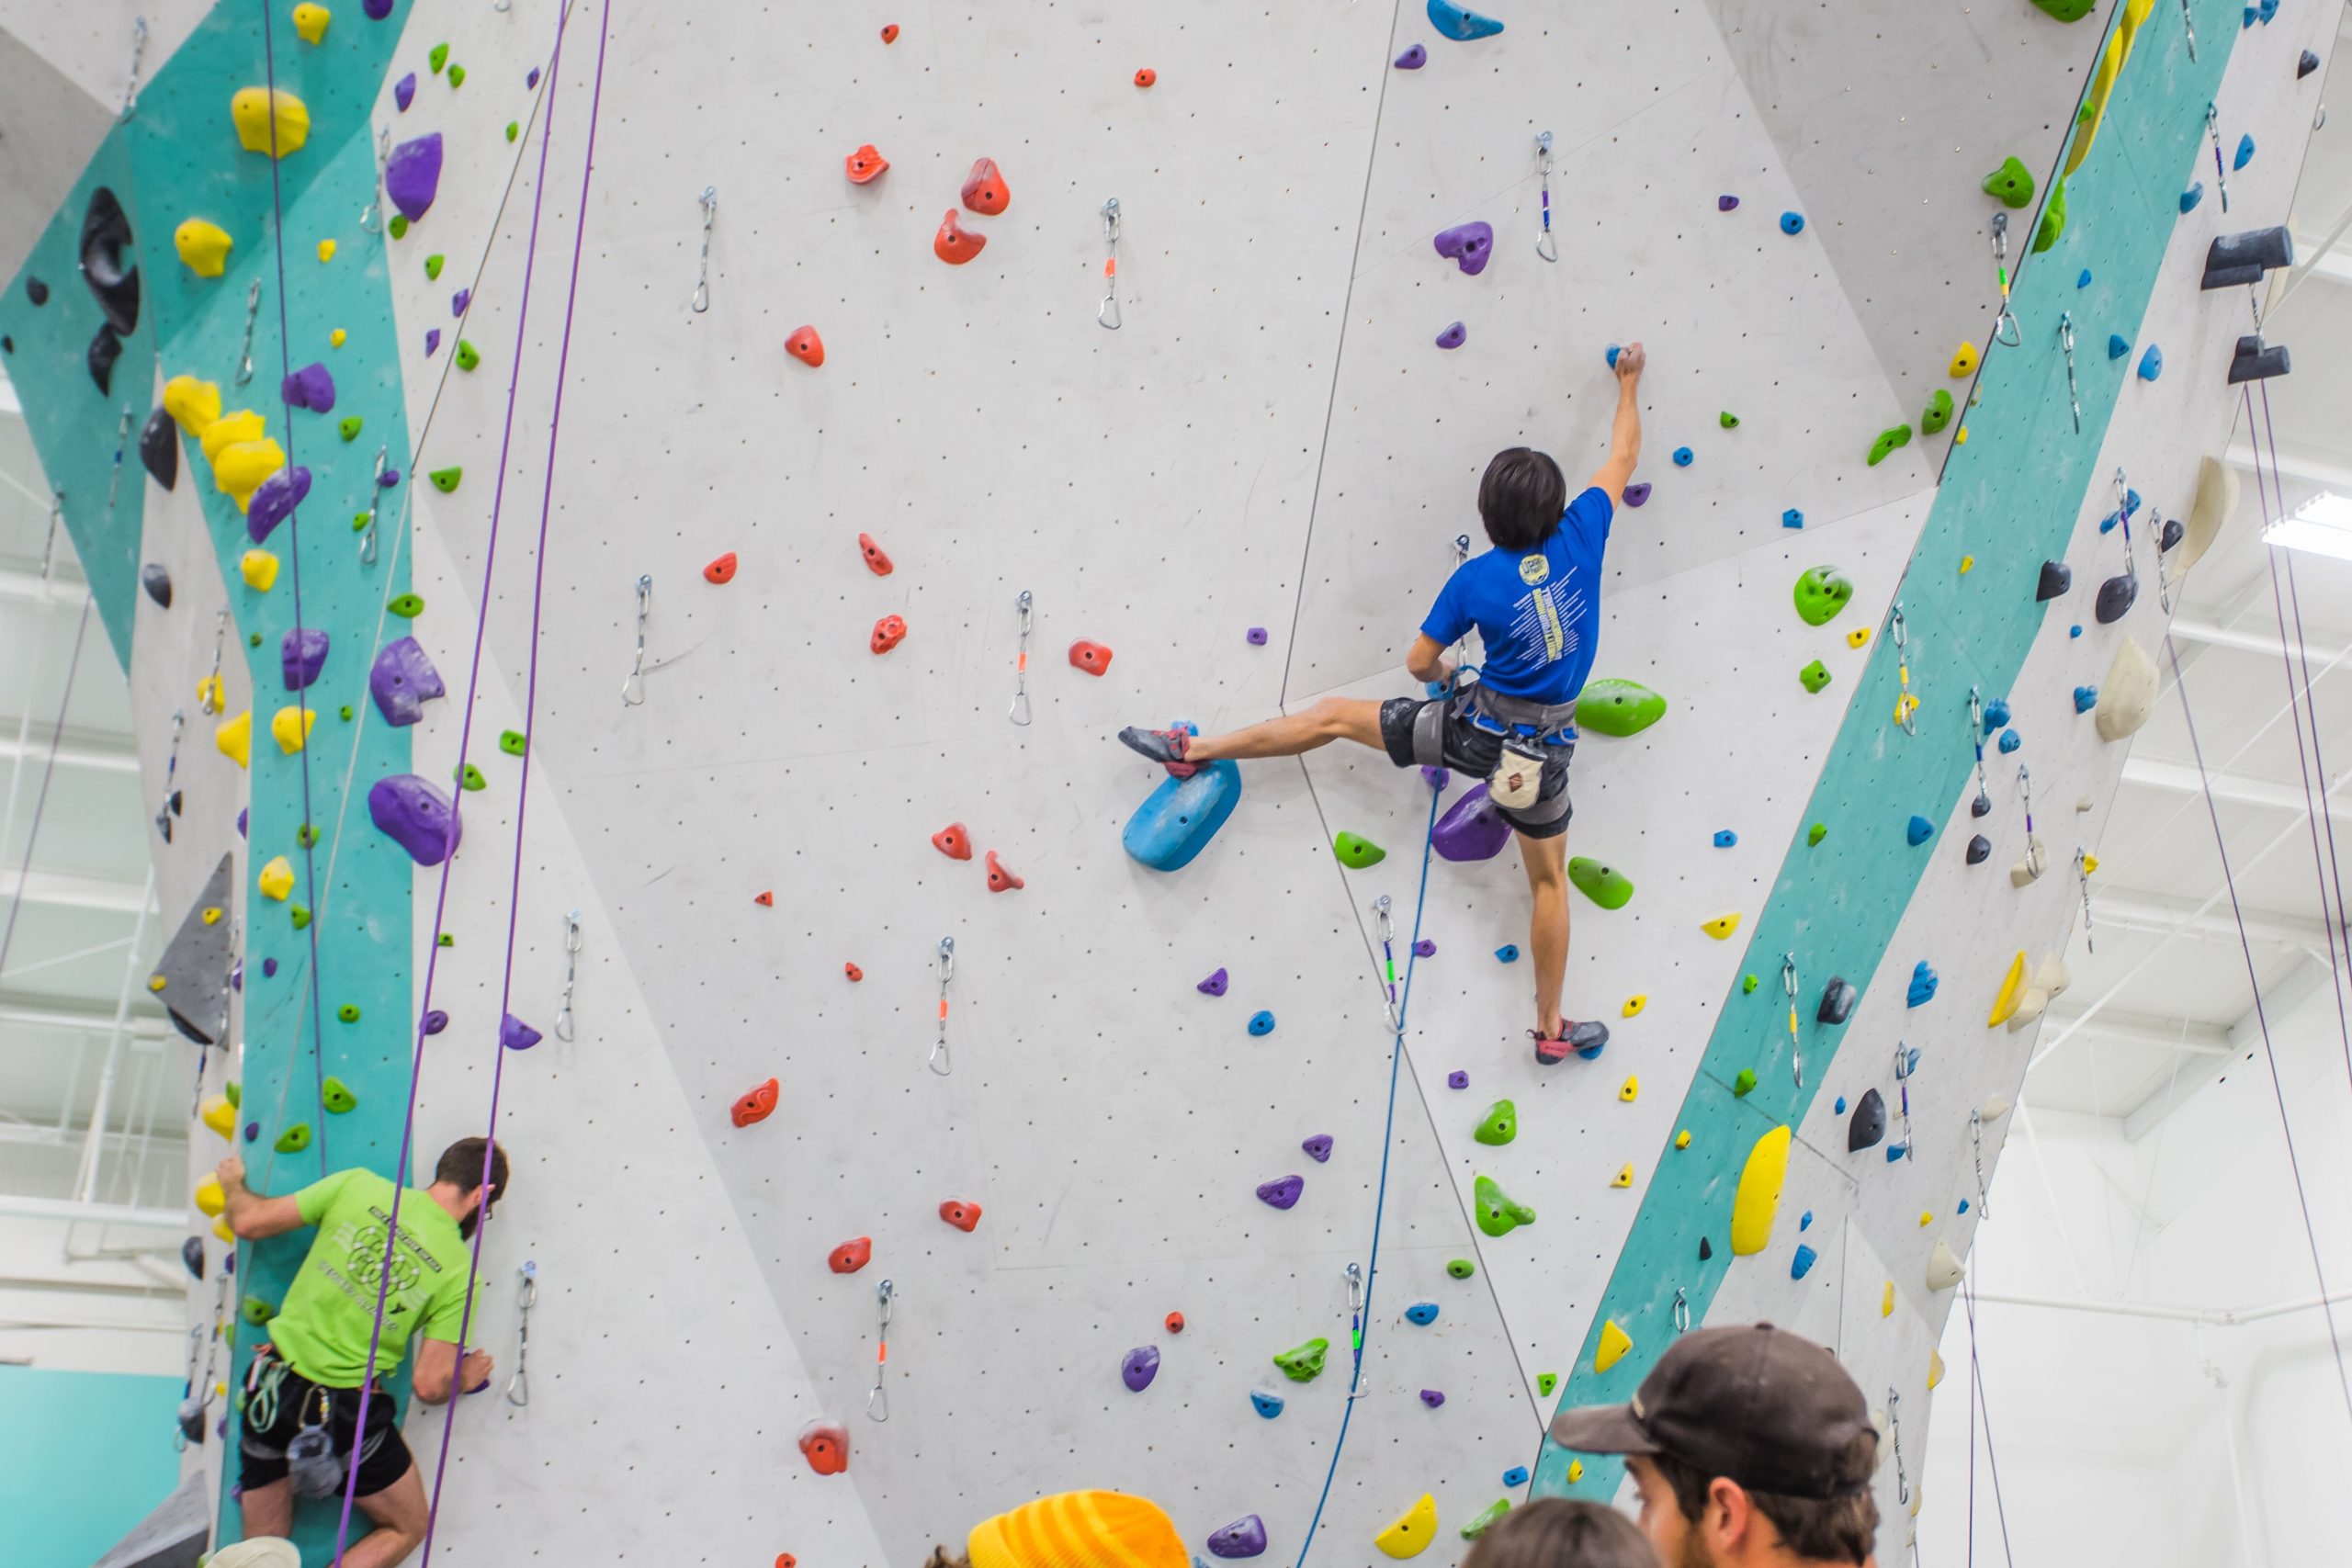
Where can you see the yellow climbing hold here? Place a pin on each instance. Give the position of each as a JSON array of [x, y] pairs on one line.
[[1958, 438], [277, 879], [1758, 1199], [1630, 1090], [264, 122], [240, 469], [1614, 1343], [211, 916], [1927, 1218], [1935, 1368], [227, 430], [209, 1198], [1682, 1139], [2012, 990], [310, 21], [193, 404], [289, 726], [204, 246], [326, 250], [1635, 1003], [217, 1113], [260, 569], [1722, 926], [210, 693], [2090, 865], [1886, 1300], [1858, 637], [1963, 362], [235, 739], [1967, 565], [1575, 1470], [1412, 1530], [2110, 66], [220, 1228], [335, 338], [1624, 1177]]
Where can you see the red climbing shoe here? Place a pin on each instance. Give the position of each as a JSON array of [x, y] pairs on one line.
[[1585, 1039], [1166, 747]]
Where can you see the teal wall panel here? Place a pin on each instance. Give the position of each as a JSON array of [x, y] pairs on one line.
[[83, 1457]]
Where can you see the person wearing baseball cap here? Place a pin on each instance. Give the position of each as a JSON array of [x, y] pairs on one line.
[[1749, 1446]]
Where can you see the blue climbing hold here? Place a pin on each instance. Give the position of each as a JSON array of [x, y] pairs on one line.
[[2084, 281], [2117, 346], [1805, 1221], [2010, 741], [1963, 1205], [1896, 1151], [1841, 1105], [2245, 155], [1923, 985], [1920, 830], [1460, 23], [1176, 822], [1422, 1313], [1996, 713], [1792, 222], [1515, 1476], [2086, 698], [1610, 354], [2075, 631], [1261, 1022], [2152, 363], [1802, 1265], [1682, 457], [1725, 837], [1906, 1062], [2192, 196], [1791, 518], [1507, 952], [1266, 1405]]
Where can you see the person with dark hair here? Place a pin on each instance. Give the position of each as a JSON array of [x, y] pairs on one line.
[[1749, 1446], [1557, 1532], [1535, 600], [303, 1392]]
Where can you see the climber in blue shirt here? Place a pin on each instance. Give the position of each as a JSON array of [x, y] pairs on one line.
[[1535, 600]]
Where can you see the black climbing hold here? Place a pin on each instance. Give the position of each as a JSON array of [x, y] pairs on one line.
[[2172, 534], [2305, 66], [36, 290], [2056, 578], [105, 349], [192, 1256], [2115, 597], [1982, 806], [2257, 361], [1980, 849], [1867, 1126], [1706, 1249], [1838, 999], [106, 235], [2233, 260], [159, 449], [158, 583]]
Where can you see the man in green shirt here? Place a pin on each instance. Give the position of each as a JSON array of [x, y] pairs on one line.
[[312, 1372]]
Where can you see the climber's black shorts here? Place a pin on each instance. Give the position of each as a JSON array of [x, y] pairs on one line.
[[261, 1451], [1449, 737]]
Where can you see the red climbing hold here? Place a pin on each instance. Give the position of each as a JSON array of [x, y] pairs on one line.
[[1000, 879], [984, 189], [1090, 657], [963, 1216], [805, 346], [889, 633], [853, 972], [1147, 76], [786, 1559], [865, 166], [850, 1256], [825, 1445], [720, 570], [952, 842], [890, 33], [876, 561], [765, 900], [1175, 1323], [756, 1106], [953, 245]]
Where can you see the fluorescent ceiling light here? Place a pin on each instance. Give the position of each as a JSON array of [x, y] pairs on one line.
[[2321, 526]]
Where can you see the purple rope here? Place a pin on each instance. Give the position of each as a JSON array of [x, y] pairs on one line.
[[1992, 1458], [48, 772], [530, 705], [465, 740]]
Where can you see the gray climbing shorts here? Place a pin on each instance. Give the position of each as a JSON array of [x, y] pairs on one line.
[[1442, 732]]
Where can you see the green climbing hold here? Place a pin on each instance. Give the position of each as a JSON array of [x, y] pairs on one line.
[[433, 266], [348, 1013], [1498, 1214], [1937, 415], [299, 915], [1618, 708], [398, 227], [2068, 10], [1460, 1268], [1889, 440], [1728, 420], [294, 1140], [469, 357], [345, 711], [1547, 1383], [256, 1311], [1356, 852], [336, 1096], [513, 742], [438, 58], [359, 521], [1745, 1084], [1485, 1519], [1821, 592], [1814, 834], [1814, 675], [2012, 182], [1500, 1124], [445, 939], [2053, 219], [407, 606], [1747, 985], [307, 835], [253, 641], [457, 75], [514, 129], [350, 427], [1605, 885], [1304, 1363], [445, 479], [470, 777], [233, 1092]]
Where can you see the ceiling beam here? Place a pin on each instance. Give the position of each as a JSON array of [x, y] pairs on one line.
[[2294, 464], [2147, 1028], [2187, 628], [2134, 910], [90, 754], [61, 890], [66, 1209], [2280, 999], [2176, 778]]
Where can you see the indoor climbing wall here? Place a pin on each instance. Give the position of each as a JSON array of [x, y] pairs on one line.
[[765, 564]]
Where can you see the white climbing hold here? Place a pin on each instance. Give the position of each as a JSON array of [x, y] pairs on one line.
[[2217, 498], [2128, 693], [1943, 1267]]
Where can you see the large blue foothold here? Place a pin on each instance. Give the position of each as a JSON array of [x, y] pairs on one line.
[[1515, 1476], [1683, 456], [2192, 196], [2245, 155], [1422, 1313], [1262, 1023], [1919, 831], [2152, 363], [1791, 518], [2118, 345], [1801, 1263], [1996, 713], [1176, 822], [1507, 952], [1725, 837], [1460, 23], [1923, 985], [2086, 698], [1792, 222], [2010, 741], [1267, 1405]]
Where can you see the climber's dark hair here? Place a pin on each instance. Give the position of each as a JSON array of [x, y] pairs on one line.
[[1521, 497]]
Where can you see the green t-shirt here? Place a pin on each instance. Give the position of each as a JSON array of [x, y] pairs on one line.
[[323, 1327]]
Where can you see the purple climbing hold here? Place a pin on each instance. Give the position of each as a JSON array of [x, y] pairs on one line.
[[516, 1035], [459, 301], [1472, 828], [1432, 1398], [436, 1022], [432, 342], [1413, 58], [1457, 1079], [377, 9], [1453, 336], [1257, 637], [1637, 492], [1245, 1537], [236, 977], [413, 174], [275, 500], [241, 822], [387, 478], [269, 968], [310, 387], [253, 1131], [1214, 985], [1425, 948], [1139, 1367], [1319, 1147], [415, 815], [1471, 245], [1280, 1192], [402, 681], [1436, 778], [1726, 203], [404, 91], [532, 80], [301, 655]]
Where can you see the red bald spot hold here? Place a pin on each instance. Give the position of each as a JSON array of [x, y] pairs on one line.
[[805, 346], [952, 842], [1175, 1323], [963, 1216], [853, 972], [889, 633], [1001, 878], [720, 570], [826, 1448], [786, 1559], [1147, 76], [876, 561], [756, 1106], [984, 189], [765, 900], [1090, 657], [953, 245], [890, 33], [865, 165], [850, 1256]]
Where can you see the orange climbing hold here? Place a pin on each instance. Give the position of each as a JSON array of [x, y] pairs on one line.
[[825, 1445], [890, 33], [1001, 878], [765, 900], [1175, 1323], [850, 1256], [1147, 76], [952, 842], [786, 1559], [756, 1106], [721, 570], [953, 245], [1090, 657], [889, 633], [876, 561], [984, 189], [962, 1215], [805, 346], [853, 971], [865, 166]]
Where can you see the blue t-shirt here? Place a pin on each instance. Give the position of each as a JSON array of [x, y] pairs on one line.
[[1539, 613]]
